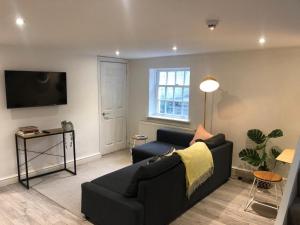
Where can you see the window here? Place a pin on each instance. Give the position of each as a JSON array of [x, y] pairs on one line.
[[169, 93]]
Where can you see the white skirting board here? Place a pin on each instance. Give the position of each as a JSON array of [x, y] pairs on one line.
[[81, 160]]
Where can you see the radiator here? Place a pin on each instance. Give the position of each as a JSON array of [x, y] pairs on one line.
[[149, 128]]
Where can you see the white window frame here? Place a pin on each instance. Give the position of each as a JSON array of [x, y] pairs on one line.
[[154, 85]]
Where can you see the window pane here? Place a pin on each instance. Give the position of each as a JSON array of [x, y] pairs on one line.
[[161, 92], [186, 93], [177, 109], [162, 78], [180, 77], [162, 106], [187, 78], [185, 109], [171, 78], [170, 107], [169, 93], [178, 94]]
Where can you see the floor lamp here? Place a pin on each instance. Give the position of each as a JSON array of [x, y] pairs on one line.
[[209, 84]]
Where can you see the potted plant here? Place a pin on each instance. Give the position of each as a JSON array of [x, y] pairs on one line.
[[261, 155]]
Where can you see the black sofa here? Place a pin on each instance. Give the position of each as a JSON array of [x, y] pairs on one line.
[[166, 139], [160, 195]]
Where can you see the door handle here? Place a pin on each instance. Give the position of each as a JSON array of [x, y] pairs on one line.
[[105, 115]]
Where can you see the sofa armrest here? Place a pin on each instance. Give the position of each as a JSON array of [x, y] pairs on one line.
[[102, 206], [222, 156], [174, 137]]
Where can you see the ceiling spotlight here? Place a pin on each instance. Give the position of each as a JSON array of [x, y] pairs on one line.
[[20, 21], [262, 40], [212, 24], [174, 48], [117, 53]]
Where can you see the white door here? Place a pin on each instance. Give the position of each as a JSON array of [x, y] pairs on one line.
[[113, 106]]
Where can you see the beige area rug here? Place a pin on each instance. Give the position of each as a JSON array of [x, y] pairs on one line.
[[65, 189]]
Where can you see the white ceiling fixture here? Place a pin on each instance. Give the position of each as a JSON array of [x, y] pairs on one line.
[[262, 40], [174, 48], [104, 26], [117, 53], [212, 24], [20, 21]]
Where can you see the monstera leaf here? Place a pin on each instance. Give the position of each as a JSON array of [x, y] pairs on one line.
[[250, 156], [260, 147], [257, 136], [275, 151], [275, 133]]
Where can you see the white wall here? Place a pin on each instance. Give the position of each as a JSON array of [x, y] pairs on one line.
[[260, 89], [82, 107]]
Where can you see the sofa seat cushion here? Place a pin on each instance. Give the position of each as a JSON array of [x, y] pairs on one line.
[[153, 148], [119, 180]]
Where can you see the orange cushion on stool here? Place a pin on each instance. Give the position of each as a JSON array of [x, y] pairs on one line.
[[268, 176]]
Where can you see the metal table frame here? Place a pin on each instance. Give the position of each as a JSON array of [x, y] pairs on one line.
[[44, 152], [253, 191]]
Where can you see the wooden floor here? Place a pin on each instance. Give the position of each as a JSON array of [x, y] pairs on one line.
[[224, 206], [19, 206]]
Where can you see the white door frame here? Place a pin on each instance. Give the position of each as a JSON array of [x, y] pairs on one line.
[[101, 59]]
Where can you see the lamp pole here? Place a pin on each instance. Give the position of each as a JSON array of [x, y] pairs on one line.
[[204, 122], [209, 84]]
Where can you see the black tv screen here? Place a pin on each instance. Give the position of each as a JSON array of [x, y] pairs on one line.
[[32, 88]]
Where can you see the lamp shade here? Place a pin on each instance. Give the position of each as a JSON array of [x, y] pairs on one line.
[[287, 156], [209, 84]]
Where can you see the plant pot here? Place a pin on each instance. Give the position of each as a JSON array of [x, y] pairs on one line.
[[264, 185]]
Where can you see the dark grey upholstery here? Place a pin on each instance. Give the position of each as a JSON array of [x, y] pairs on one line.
[[294, 210], [161, 195], [119, 180], [146, 172], [166, 139], [150, 149]]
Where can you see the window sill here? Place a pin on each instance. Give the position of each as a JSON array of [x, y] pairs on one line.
[[187, 121]]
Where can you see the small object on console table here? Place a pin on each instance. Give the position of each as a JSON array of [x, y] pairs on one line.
[[46, 131]]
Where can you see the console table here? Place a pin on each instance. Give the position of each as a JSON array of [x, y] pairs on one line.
[[51, 132]]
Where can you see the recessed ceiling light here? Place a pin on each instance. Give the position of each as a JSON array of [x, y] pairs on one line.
[[20, 21], [212, 24], [117, 53], [174, 48], [262, 40]]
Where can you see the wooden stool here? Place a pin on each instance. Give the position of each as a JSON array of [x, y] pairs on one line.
[[139, 137], [268, 177]]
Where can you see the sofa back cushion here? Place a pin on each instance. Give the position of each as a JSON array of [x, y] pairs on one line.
[[149, 171], [174, 137], [214, 141]]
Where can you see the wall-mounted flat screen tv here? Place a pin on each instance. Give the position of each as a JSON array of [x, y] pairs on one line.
[[33, 88]]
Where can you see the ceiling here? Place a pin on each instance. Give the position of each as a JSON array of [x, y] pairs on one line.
[[149, 28]]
